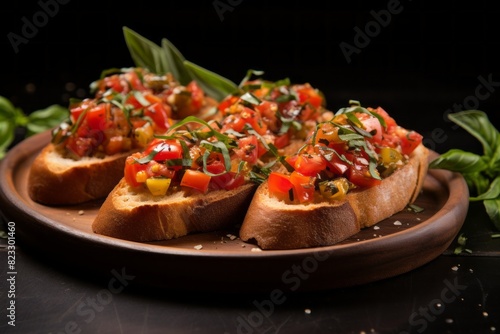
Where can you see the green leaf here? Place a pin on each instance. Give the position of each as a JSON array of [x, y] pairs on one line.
[[212, 83], [493, 209], [145, 53], [493, 191], [175, 62], [460, 161], [476, 122], [7, 128], [7, 109], [477, 181], [45, 119]]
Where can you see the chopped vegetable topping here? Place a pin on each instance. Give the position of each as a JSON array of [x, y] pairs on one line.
[[356, 148], [129, 107]]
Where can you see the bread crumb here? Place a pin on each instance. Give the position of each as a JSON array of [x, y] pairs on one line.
[[243, 245], [307, 311], [256, 249], [493, 328], [448, 320], [231, 236], [198, 247], [397, 223], [485, 314], [81, 212], [454, 268], [376, 227]]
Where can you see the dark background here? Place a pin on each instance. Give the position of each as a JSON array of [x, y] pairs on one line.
[[425, 62]]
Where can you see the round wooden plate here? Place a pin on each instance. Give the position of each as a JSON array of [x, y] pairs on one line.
[[220, 260]]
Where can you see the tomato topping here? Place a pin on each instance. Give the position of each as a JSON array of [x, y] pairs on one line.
[[196, 180], [166, 149], [132, 167], [309, 164]]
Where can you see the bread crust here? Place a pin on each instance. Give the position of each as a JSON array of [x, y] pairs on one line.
[[54, 180], [272, 224], [139, 216]]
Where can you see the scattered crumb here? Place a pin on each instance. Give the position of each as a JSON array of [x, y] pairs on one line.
[[485, 314], [198, 247], [397, 223], [449, 320], [454, 268], [492, 328], [375, 235], [438, 305], [231, 236], [67, 213], [243, 245], [376, 227], [471, 270], [418, 218], [307, 311], [256, 249], [81, 212]]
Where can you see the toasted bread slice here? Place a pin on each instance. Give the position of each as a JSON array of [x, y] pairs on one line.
[[273, 224], [55, 180], [137, 215]]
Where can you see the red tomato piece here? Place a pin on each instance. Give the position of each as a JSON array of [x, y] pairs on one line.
[[196, 180]]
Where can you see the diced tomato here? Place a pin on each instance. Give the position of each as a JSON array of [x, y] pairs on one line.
[[336, 165], [359, 173], [227, 181], [372, 125], [159, 113], [268, 110], [282, 141], [97, 117], [389, 121], [167, 149], [307, 94], [196, 180], [227, 102], [248, 149], [113, 82], [131, 169], [197, 95], [254, 119], [309, 164], [279, 184], [303, 187], [409, 140], [133, 80]]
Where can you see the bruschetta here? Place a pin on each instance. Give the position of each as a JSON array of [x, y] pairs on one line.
[[86, 156], [201, 176], [356, 169]]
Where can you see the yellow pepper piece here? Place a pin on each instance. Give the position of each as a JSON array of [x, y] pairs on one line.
[[334, 189], [390, 156], [158, 186]]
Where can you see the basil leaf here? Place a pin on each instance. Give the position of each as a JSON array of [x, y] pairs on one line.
[[477, 181], [493, 191], [457, 160], [45, 119], [175, 62], [492, 207], [476, 122], [249, 75], [212, 83], [7, 128], [215, 147], [250, 98], [145, 53]]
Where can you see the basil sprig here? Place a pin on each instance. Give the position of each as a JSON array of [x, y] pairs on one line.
[[482, 172], [168, 59], [38, 121]]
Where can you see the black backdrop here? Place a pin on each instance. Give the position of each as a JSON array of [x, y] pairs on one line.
[[417, 59]]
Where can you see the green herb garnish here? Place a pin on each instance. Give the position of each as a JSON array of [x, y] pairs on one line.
[[482, 172]]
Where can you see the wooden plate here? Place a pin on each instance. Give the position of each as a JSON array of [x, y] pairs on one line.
[[396, 245]]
